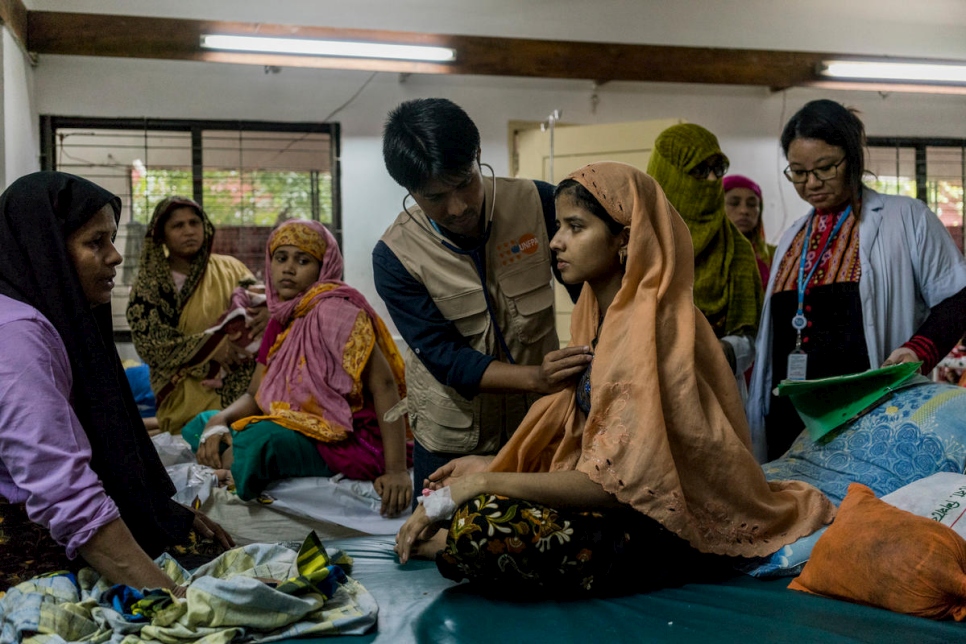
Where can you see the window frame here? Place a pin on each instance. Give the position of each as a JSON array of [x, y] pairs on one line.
[[49, 124], [920, 145]]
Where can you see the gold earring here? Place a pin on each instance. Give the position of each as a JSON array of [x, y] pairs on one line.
[[622, 255]]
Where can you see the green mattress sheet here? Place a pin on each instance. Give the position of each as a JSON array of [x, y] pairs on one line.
[[416, 604]]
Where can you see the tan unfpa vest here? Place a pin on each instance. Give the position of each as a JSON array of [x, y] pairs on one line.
[[518, 280]]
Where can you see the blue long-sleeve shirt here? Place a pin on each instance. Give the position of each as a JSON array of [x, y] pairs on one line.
[[434, 339]]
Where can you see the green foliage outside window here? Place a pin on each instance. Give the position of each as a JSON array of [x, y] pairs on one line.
[[945, 198], [894, 185], [233, 198]]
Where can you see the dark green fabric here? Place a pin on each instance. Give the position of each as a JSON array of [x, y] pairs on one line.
[[727, 284], [416, 604], [195, 428], [265, 452]]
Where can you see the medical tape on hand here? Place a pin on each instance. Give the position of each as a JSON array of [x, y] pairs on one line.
[[439, 504], [214, 430]]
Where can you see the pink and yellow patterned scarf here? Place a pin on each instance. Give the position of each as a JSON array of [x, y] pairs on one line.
[[313, 382]]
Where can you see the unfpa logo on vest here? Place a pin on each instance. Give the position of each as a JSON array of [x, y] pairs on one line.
[[514, 250]]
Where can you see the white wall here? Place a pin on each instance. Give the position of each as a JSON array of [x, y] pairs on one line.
[[747, 120], [20, 140]]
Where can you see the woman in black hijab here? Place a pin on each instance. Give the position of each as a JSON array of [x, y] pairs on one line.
[[74, 455]]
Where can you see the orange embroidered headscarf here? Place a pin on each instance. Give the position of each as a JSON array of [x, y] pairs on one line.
[[666, 433]]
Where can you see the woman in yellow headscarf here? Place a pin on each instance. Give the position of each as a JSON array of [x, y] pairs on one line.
[[640, 472]]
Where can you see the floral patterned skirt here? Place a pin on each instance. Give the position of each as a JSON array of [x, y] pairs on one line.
[[511, 545]]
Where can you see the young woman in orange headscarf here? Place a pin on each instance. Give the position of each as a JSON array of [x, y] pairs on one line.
[[642, 471]]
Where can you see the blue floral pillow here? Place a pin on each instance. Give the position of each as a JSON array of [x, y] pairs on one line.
[[917, 432]]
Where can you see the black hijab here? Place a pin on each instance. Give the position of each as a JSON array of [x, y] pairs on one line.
[[37, 213]]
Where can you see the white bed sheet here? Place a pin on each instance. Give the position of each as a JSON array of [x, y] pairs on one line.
[[337, 500]]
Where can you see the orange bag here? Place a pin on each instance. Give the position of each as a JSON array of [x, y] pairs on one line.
[[876, 554]]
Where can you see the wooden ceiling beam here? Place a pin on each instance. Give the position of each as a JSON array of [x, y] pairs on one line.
[[179, 39], [13, 14]]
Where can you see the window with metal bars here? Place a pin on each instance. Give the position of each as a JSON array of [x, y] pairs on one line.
[[933, 170], [247, 175]]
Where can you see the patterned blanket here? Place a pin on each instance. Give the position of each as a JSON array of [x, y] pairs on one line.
[[256, 593]]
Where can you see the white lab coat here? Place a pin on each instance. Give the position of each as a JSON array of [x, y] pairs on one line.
[[909, 264]]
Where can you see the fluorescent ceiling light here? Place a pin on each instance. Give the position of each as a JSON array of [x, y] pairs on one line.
[[328, 48], [867, 86], [895, 71]]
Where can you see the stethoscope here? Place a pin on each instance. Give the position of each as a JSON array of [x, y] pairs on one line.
[[435, 227], [475, 253]]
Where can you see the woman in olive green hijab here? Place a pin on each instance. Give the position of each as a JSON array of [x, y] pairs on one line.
[[688, 164]]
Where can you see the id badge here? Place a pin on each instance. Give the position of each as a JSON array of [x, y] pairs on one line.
[[797, 365]]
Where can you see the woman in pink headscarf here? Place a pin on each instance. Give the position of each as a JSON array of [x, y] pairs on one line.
[[743, 205], [328, 371]]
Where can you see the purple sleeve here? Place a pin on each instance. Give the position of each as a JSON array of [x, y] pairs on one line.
[[44, 452], [268, 339]]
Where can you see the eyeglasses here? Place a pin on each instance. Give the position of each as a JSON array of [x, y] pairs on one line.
[[825, 173], [703, 169]]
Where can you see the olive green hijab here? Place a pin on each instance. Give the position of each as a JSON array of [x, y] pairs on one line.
[[727, 285]]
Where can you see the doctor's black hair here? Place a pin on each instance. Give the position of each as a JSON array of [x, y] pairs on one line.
[[427, 139], [835, 124], [583, 198]]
